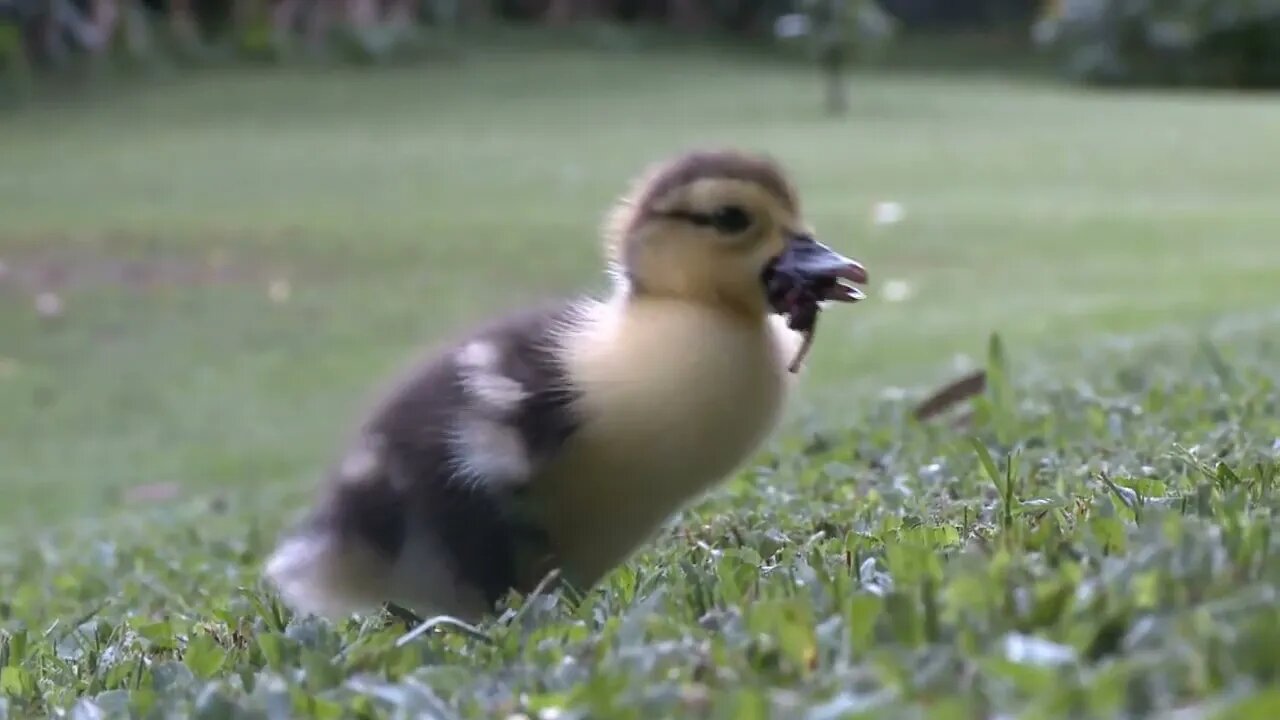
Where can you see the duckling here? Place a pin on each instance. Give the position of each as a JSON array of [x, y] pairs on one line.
[[562, 437]]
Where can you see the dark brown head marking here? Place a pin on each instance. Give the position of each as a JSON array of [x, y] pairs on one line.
[[706, 164]]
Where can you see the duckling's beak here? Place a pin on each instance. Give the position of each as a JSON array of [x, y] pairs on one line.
[[808, 265]]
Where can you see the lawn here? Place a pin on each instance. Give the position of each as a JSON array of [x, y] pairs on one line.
[[241, 258]]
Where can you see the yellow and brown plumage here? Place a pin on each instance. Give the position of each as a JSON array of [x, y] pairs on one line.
[[563, 437]]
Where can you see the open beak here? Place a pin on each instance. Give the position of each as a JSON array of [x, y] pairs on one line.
[[809, 265]]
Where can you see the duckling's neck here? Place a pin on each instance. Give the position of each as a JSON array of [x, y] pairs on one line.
[[629, 295]]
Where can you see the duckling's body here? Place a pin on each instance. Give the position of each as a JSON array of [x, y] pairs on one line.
[[563, 437], [701, 389]]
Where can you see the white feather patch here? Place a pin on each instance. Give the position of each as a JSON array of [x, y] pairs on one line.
[[497, 391], [478, 355], [360, 462], [490, 451], [315, 575], [482, 381]]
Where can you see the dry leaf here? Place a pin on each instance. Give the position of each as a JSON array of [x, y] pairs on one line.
[[152, 492], [957, 392]]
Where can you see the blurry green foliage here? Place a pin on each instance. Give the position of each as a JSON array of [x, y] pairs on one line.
[[1227, 43], [1096, 546], [48, 36], [15, 70]]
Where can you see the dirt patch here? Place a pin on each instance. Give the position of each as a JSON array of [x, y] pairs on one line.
[[75, 269]]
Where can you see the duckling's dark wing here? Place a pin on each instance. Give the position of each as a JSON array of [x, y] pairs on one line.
[[439, 467]]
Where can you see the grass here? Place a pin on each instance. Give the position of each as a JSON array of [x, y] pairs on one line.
[[1115, 559]]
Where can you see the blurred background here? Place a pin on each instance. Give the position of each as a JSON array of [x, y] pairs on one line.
[[224, 222]]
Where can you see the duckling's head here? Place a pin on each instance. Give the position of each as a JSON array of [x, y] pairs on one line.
[[714, 227]]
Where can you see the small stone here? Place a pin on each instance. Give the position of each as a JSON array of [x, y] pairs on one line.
[[888, 212], [1031, 650], [897, 291], [49, 305], [279, 291]]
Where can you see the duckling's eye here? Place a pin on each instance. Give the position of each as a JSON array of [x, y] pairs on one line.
[[730, 219]]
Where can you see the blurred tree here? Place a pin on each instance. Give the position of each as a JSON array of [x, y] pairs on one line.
[[183, 26], [838, 30], [1222, 42], [518, 10], [1166, 42], [565, 12], [933, 14], [688, 14], [15, 65], [834, 43]]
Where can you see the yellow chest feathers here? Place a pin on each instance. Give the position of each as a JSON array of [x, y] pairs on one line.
[[667, 383], [674, 397]]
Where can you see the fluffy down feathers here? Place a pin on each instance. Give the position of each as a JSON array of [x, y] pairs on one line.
[[558, 439], [424, 509], [562, 438]]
